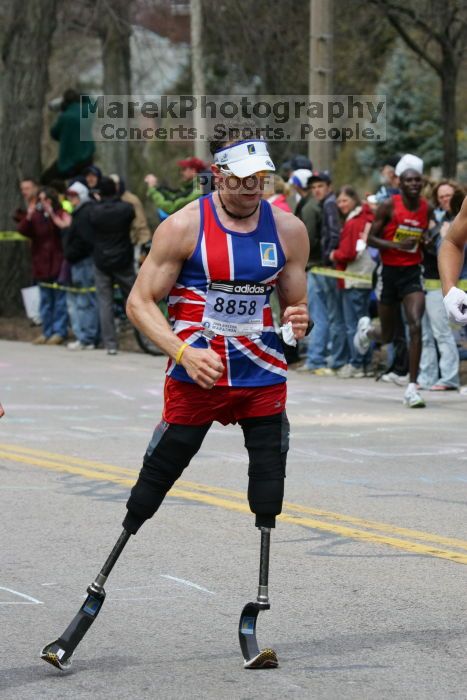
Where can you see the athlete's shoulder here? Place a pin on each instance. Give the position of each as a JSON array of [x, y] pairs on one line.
[[181, 229], [287, 223], [292, 233]]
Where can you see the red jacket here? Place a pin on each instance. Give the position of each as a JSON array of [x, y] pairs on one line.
[[353, 229], [46, 245]]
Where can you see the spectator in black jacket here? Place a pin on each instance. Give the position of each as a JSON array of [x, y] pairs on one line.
[[324, 292], [78, 245], [113, 255]]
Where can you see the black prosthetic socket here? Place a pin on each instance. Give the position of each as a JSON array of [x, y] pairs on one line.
[[169, 452], [267, 442]]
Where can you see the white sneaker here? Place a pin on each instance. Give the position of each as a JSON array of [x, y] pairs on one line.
[[400, 380], [350, 372], [361, 340], [78, 345], [412, 399]]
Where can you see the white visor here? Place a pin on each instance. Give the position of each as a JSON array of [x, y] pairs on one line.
[[245, 158]]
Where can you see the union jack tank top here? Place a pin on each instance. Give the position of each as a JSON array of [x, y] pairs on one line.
[[221, 299]]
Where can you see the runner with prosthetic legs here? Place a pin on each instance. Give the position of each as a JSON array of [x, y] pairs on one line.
[[217, 260]]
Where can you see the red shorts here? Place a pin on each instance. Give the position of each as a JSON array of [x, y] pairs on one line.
[[189, 404]]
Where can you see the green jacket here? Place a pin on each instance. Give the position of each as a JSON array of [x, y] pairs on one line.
[[171, 202], [67, 131]]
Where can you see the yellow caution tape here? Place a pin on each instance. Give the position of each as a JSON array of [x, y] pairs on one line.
[[11, 236], [428, 284], [73, 290]]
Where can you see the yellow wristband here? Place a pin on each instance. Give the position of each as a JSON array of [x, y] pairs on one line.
[[180, 352]]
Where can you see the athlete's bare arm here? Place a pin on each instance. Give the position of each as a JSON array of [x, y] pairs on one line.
[[375, 238], [291, 285], [451, 252], [173, 242]]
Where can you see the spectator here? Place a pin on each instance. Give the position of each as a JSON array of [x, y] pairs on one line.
[[29, 189], [299, 182], [169, 202], [324, 294], [113, 255], [92, 176], [352, 255], [438, 373], [140, 232], [281, 192], [75, 150], [79, 245], [389, 179], [39, 224]]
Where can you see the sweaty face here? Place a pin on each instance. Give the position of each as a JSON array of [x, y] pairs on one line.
[[320, 190], [244, 191], [411, 183], [444, 196]]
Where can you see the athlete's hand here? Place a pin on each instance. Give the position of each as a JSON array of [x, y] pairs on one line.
[[455, 303], [2, 412], [299, 318], [408, 243], [203, 366]]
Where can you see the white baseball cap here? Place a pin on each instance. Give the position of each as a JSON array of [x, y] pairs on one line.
[[300, 178], [245, 158]]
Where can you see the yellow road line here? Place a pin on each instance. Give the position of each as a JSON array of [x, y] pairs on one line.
[[211, 496]]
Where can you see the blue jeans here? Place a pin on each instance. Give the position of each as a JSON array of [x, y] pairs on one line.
[[54, 313], [356, 304], [332, 298], [86, 314], [319, 336], [436, 332]]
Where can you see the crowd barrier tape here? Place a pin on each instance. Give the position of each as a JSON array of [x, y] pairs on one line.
[[428, 284], [11, 236], [73, 290]]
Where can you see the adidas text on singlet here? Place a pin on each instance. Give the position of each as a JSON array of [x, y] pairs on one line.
[[221, 299]]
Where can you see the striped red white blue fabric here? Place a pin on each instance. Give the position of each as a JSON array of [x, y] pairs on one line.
[[221, 254]]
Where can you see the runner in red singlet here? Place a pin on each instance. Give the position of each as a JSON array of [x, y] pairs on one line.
[[398, 230]]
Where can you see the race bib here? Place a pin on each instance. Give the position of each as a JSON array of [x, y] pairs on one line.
[[404, 231], [235, 308]]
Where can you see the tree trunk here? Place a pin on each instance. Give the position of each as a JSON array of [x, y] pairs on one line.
[[115, 32], [25, 54], [449, 116]]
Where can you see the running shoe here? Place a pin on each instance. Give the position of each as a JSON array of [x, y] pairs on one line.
[[412, 398], [323, 372], [399, 379], [361, 340], [350, 372]]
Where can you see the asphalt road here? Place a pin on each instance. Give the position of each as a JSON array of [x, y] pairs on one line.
[[368, 563]]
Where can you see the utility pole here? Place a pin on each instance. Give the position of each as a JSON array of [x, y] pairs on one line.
[[321, 71], [197, 72]]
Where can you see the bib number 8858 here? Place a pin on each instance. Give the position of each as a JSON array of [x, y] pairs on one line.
[[232, 307]]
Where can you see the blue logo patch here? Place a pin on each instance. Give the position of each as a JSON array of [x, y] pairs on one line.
[[251, 148], [268, 254]]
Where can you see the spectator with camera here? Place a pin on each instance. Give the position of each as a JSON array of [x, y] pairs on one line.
[[40, 225]]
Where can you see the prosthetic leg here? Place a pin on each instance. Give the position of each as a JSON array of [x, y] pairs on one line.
[[254, 658], [59, 653]]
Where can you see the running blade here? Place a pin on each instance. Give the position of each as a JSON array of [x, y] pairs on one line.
[[253, 657]]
